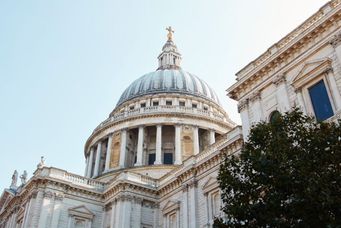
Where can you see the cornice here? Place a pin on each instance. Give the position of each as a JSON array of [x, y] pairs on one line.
[[296, 41]]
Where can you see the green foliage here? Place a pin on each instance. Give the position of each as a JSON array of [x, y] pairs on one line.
[[288, 174]]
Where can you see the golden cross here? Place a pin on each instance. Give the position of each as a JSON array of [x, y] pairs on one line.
[[170, 33]]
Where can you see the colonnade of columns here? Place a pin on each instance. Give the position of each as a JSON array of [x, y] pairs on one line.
[[96, 151]]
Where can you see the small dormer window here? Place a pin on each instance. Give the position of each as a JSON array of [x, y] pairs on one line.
[[155, 103], [169, 103], [194, 106]]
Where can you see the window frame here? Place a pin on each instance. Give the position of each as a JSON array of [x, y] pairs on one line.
[[307, 98]]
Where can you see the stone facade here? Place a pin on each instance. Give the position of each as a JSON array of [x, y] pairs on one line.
[[154, 161], [284, 76]]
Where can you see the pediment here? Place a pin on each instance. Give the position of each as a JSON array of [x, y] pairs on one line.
[[6, 196], [81, 211], [310, 70], [171, 205], [210, 184]]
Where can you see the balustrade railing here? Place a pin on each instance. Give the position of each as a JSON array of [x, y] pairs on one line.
[[72, 178], [162, 109]]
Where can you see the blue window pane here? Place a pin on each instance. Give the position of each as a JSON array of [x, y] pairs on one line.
[[320, 100], [151, 159], [168, 158]]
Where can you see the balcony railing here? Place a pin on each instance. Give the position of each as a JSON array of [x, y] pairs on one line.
[[162, 109], [73, 179]]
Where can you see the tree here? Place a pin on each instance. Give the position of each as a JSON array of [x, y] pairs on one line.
[[288, 174]]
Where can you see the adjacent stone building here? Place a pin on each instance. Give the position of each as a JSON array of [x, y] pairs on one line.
[[154, 161], [301, 70]]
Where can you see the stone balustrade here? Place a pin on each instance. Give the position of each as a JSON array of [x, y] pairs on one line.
[[138, 178], [74, 179], [159, 110]]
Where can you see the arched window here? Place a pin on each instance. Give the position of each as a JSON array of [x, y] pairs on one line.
[[274, 116]]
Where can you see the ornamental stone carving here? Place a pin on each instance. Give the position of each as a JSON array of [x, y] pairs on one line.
[[243, 105], [335, 41], [278, 79]]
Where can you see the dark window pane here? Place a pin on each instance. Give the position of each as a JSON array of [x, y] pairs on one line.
[[155, 103], [143, 105], [151, 159], [168, 158], [320, 100], [275, 115], [168, 102], [182, 103], [194, 106]]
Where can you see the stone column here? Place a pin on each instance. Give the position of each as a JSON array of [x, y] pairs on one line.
[[207, 210], [123, 148], [193, 205], [90, 162], [212, 136], [45, 209], [113, 213], [301, 101], [243, 107], [27, 212], [138, 212], [126, 212], [118, 213], [178, 159], [108, 154], [334, 89], [158, 156], [86, 166], [56, 211], [98, 158], [256, 107], [140, 146], [196, 140], [282, 93], [185, 206]]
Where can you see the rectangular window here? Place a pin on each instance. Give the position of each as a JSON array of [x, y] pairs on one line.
[[131, 107], [143, 105], [151, 159], [181, 103], [168, 158], [168, 102], [205, 108], [320, 101], [155, 103], [194, 105]]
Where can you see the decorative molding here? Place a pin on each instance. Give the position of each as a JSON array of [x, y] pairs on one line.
[[255, 96], [279, 79], [336, 40], [243, 105]]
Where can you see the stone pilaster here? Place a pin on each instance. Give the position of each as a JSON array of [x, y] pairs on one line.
[[90, 162], [158, 156], [140, 146], [185, 216], [178, 159], [123, 150], [196, 140], [98, 157], [108, 154]]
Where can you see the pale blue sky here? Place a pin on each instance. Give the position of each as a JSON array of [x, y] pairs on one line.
[[64, 64]]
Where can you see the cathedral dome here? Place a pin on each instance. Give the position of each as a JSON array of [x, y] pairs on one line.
[[169, 81]]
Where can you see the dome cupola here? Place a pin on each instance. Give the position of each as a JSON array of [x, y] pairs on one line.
[[169, 58]]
